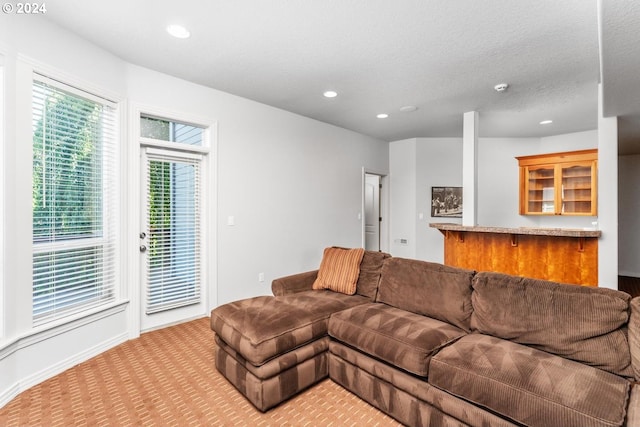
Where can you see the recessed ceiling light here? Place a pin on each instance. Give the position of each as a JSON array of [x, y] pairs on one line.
[[178, 31], [501, 87], [330, 94], [546, 122], [408, 108], [382, 116]]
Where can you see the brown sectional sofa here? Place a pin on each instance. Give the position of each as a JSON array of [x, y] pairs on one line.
[[435, 345]]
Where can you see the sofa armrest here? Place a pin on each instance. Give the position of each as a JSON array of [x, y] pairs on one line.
[[634, 336], [633, 410], [295, 283]]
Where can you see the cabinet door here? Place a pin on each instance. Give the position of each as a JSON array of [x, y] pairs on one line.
[[559, 183], [577, 189], [541, 196]]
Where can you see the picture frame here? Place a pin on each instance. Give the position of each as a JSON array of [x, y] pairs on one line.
[[446, 202]]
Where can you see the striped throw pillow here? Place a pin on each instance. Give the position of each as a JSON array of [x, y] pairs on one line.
[[339, 270]]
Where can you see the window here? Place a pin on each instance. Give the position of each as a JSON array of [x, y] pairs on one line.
[[173, 227], [75, 183], [170, 131]]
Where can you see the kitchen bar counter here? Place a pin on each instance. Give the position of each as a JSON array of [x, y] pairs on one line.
[[562, 255], [561, 232]]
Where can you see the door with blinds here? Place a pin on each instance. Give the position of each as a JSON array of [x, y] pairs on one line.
[[170, 237]]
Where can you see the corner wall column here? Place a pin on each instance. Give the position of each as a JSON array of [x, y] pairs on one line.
[[470, 168]]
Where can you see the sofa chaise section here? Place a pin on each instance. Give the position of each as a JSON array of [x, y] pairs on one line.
[[272, 347]]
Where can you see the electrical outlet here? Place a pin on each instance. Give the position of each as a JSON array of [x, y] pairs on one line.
[[260, 277]]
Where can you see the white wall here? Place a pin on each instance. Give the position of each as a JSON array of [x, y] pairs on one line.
[[294, 186], [629, 215], [498, 185], [438, 162], [403, 196]]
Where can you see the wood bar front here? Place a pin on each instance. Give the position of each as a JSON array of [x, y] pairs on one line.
[[561, 255]]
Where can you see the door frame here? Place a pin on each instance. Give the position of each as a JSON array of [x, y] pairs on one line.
[[132, 288], [384, 208]]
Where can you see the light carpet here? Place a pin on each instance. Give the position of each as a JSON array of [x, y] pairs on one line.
[[168, 378]]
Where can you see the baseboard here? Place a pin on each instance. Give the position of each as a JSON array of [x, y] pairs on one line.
[[51, 371], [174, 323], [15, 347], [629, 274], [63, 365], [8, 395]]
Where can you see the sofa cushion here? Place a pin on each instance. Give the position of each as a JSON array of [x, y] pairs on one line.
[[578, 322], [370, 271], [339, 270], [280, 363], [528, 385], [431, 289], [264, 327], [402, 338], [347, 366]]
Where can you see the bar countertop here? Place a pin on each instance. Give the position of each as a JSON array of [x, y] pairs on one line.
[[561, 232]]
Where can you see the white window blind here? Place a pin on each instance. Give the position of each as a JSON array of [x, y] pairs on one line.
[[75, 184], [173, 232]]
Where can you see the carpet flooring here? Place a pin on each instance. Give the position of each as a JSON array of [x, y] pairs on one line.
[[168, 378]]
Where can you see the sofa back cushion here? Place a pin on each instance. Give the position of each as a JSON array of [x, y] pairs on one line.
[[370, 271], [426, 288], [576, 322]]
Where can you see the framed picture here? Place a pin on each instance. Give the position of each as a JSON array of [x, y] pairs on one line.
[[446, 202]]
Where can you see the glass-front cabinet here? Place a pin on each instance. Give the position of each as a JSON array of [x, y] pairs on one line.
[[559, 183]]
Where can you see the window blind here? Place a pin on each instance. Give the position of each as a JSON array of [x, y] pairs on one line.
[[75, 184], [173, 235]]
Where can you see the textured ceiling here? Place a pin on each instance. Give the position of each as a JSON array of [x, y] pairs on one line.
[[442, 56], [621, 69]]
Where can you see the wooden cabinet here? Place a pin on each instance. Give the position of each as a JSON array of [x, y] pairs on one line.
[[559, 183]]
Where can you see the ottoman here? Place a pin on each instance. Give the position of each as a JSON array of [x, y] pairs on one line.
[[272, 347]]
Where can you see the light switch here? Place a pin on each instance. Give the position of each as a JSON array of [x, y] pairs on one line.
[[231, 220]]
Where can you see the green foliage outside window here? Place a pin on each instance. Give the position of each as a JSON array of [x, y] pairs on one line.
[[67, 169], [68, 203]]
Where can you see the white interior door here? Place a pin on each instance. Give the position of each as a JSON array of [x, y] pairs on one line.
[[170, 237], [372, 212]]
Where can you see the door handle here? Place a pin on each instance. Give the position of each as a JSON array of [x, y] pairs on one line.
[[143, 248]]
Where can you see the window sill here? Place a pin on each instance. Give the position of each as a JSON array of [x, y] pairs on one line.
[[49, 330]]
